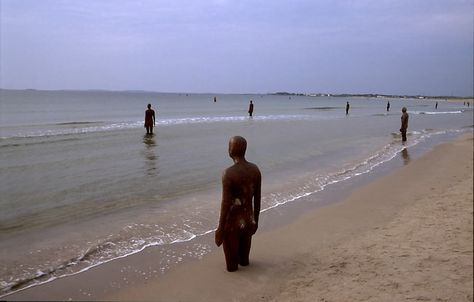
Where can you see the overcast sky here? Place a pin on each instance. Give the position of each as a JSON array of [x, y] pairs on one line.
[[239, 46]]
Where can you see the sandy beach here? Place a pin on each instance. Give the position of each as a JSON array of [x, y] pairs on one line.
[[404, 237]]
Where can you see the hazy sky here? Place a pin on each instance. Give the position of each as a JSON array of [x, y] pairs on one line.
[[241, 46]]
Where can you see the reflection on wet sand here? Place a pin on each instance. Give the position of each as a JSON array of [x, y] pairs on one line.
[[405, 156], [150, 155]]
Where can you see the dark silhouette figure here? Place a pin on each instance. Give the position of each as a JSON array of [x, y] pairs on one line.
[[215, 99], [240, 207], [404, 126], [347, 108], [250, 108], [388, 106], [436, 106], [149, 119]]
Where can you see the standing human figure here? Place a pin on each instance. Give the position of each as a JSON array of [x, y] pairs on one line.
[[240, 207], [250, 108], [388, 106], [436, 106], [149, 119], [347, 108], [404, 126]]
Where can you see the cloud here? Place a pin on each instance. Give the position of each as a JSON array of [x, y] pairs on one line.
[[168, 40]]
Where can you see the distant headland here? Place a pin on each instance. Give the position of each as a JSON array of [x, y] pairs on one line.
[[373, 95]]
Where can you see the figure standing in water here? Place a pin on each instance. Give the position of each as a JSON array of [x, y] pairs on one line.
[[404, 126], [250, 108], [240, 207], [388, 106], [149, 119], [347, 108], [215, 99], [436, 106]]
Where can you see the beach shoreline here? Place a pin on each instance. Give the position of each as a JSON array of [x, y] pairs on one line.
[[286, 266]]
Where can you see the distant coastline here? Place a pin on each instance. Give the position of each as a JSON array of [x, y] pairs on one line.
[[283, 93], [375, 95]]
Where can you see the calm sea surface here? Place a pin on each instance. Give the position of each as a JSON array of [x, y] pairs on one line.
[[81, 184]]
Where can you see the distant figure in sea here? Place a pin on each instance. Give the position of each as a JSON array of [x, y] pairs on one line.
[[388, 106], [149, 119], [347, 108], [404, 126], [215, 99], [436, 105], [240, 207], [250, 108]]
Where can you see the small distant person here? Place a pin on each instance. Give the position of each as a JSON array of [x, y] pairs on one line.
[[240, 207], [250, 108], [388, 106], [436, 105], [347, 108], [149, 119], [215, 99], [404, 126]]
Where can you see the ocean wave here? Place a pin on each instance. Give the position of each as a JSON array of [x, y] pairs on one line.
[[17, 142], [384, 114], [437, 112], [90, 127], [324, 108], [98, 254], [78, 123], [84, 127]]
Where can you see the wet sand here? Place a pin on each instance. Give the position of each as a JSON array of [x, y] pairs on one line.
[[406, 236]]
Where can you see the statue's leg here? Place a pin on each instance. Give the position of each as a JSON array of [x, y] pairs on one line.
[[244, 248], [231, 246]]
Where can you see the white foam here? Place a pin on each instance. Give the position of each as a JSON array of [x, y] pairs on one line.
[[111, 126]]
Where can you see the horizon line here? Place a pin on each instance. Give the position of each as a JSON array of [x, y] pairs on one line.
[[313, 94]]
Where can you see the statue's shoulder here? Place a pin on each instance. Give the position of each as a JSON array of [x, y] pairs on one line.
[[254, 168]]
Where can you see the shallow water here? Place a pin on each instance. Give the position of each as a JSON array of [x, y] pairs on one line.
[[81, 183]]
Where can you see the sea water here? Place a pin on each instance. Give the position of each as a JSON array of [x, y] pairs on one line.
[[81, 184]]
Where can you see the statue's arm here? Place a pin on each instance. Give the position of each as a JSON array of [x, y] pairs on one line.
[[225, 208], [257, 199]]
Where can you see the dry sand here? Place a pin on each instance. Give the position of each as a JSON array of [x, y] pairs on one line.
[[407, 236]]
